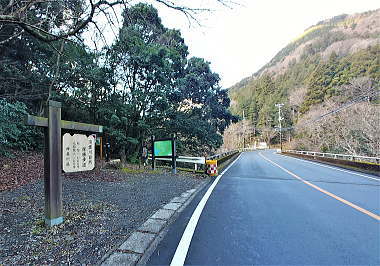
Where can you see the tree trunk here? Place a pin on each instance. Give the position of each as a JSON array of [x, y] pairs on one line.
[[123, 157]]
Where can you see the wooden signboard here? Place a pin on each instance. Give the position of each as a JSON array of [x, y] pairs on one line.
[[54, 155], [78, 153]]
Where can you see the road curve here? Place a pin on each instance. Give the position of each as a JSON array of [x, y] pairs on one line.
[[272, 209]]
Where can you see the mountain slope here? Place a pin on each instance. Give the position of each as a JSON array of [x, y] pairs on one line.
[[332, 61], [344, 34]]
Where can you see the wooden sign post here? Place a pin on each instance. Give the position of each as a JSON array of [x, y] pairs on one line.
[[53, 157]]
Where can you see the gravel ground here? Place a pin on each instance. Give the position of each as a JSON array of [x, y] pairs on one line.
[[98, 215]]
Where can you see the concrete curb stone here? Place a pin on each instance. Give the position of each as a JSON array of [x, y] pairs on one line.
[[141, 243], [185, 195], [178, 200], [138, 242], [163, 214], [172, 206], [122, 259], [152, 225], [145, 257]]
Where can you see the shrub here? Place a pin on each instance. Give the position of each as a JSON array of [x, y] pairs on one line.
[[14, 134]]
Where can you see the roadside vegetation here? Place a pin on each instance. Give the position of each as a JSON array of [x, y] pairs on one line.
[[144, 83], [329, 81]]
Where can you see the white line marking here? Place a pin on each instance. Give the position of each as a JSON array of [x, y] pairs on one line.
[[184, 244], [346, 171], [371, 214]]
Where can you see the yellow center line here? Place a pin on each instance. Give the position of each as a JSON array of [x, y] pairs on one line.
[[356, 207]]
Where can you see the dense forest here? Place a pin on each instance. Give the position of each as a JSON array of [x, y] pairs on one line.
[[328, 80], [143, 84]]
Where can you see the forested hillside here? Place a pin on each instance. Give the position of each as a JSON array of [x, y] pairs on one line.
[[333, 64], [143, 84]]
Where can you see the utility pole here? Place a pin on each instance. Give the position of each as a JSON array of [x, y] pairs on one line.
[[253, 139], [279, 105], [243, 130]]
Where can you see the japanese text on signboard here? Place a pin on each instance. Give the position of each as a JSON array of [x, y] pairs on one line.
[[78, 153]]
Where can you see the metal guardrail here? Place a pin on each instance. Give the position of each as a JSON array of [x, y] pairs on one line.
[[248, 149], [224, 154], [186, 159], [200, 160], [221, 155], [346, 157]]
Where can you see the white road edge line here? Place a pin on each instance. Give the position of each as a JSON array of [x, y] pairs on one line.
[[352, 205], [331, 167], [184, 244]]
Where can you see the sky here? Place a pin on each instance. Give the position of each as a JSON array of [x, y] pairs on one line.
[[239, 41]]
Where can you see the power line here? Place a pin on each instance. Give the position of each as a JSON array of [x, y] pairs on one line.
[[339, 109], [366, 94]]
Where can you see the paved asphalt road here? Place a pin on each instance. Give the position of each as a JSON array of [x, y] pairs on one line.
[[260, 214]]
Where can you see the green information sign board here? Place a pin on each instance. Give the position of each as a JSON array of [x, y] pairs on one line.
[[163, 148]]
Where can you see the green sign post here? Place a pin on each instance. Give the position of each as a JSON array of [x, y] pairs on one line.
[[164, 148]]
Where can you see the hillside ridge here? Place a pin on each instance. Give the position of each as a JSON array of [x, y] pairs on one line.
[[331, 64], [352, 33]]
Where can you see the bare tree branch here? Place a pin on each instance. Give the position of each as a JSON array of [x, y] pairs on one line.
[[15, 35], [35, 16]]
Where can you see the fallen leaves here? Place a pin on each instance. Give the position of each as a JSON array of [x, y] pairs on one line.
[[25, 168], [22, 169]]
